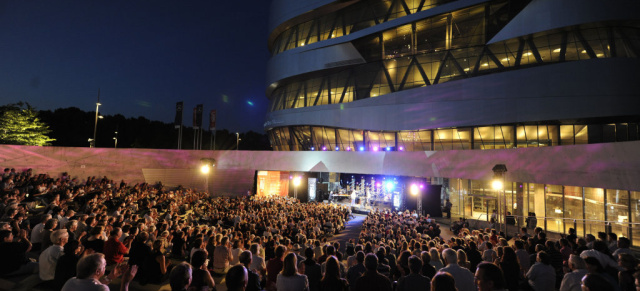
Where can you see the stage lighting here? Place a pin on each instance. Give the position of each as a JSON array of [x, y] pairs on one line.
[[388, 148], [313, 148], [362, 149], [324, 148], [337, 149], [348, 149], [296, 181], [401, 148], [375, 149], [390, 186], [414, 189], [421, 186]]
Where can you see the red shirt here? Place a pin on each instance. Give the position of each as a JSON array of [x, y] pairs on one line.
[[114, 251]]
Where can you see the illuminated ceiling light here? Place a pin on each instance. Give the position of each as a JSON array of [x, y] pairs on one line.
[[466, 69], [528, 53], [557, 210], [505, 59], [556, 50], [584, 51], [302, 44], [600, 55], [485, 64]]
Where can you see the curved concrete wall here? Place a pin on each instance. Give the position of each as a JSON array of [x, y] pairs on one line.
[[610, 165], [581, 89]]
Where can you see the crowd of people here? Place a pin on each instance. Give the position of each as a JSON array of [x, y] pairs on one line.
[[82, 234]]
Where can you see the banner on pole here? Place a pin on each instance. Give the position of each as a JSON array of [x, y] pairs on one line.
[[198, 116], [212, 120], [179, 109]]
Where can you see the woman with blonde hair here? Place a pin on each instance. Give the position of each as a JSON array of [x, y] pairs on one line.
[[289, 279], [462, 259]]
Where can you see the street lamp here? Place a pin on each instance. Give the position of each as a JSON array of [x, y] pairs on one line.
[[237, 140], [95, 125], [497, 183], [205, 168], [296, 183]]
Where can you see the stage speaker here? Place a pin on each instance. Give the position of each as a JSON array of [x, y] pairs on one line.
[[431, 202]]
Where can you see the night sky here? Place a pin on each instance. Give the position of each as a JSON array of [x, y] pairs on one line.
[[143, 55]]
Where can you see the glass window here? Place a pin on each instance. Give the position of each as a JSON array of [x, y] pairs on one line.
[[582, 136], [554, 208], [635, 217], [618, 211], [456, 197], [535, 197], [573, 209], [594, 210]]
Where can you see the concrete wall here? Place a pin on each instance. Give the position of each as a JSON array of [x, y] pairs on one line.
[[611, 165]]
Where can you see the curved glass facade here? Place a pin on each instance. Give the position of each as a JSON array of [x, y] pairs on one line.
[[397, 61], [319, 138], [348, 20]]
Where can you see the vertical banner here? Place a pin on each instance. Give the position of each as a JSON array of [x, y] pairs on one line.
[[199, 117], [212, 120], [195, 113], [179, 109]]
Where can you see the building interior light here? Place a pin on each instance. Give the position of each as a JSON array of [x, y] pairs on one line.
[[528, 53], [485, 64], [556, 50]]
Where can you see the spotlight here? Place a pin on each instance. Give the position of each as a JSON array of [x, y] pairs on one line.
[[337, 149], [296, 181], [390, 186], [348, 149], [375, 149], [313, 148], [401, 148], [362, 149], [324, 148], [421, 186], [414, 189], [388, 148]]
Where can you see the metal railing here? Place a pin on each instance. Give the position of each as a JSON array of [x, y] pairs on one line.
[[583, 227]]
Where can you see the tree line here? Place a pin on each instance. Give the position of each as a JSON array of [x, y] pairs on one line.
[[21, 124]]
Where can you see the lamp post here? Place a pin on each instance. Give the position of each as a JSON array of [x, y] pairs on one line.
[[296, 183], [204, 169], [497, 183], [115, 138], [95, 125], [237, 140]]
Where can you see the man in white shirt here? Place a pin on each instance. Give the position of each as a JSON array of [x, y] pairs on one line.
[[463, 277], [38, 231], [572, 280], [49, 257]]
